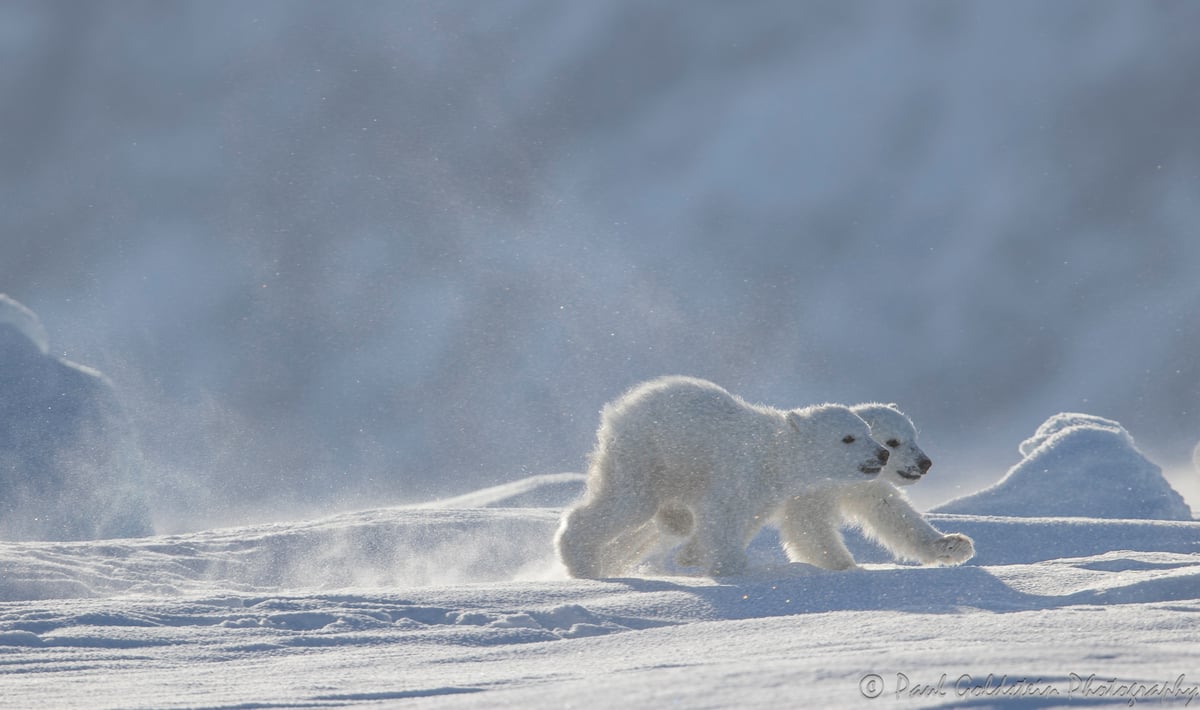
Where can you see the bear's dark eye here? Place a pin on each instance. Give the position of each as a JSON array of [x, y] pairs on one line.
[[892, 443], [848, 439]]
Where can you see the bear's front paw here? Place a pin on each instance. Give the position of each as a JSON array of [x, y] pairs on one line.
[[952, 549]]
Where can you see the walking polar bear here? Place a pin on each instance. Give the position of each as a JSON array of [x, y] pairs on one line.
[[810, 523], [685, 442], [700, 461]]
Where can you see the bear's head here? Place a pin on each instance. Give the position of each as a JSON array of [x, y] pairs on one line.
[[890, 427], [829, 441]]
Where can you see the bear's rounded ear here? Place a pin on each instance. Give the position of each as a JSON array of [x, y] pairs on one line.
[[794, 419]]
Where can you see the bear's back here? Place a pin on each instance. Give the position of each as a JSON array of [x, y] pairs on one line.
[[678, 405]]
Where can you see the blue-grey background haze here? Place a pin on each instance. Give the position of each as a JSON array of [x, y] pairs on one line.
[[339, 253]]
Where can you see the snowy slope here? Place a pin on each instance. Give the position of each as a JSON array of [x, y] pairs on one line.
[[466, 606]]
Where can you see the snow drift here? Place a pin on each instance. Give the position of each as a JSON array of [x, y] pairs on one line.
[[1078, 465]]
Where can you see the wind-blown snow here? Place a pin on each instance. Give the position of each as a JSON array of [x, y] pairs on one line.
[[1078, 465], [551, 490], [454, 606], [70, 467]]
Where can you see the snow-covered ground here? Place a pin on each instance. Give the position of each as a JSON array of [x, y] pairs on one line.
[[462, 604]]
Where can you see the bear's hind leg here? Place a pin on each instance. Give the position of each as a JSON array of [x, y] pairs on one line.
[[599, 538], [719, 539], [633, 546]]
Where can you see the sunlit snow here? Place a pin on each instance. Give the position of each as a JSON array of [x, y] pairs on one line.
[[466, 606]]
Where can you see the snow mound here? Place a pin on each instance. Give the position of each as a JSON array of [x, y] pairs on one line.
[[1078, 465], [552, 490]]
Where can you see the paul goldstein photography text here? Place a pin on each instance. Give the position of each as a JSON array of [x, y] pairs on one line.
[[1073, 686]]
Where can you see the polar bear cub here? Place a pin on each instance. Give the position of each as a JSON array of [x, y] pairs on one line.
[[809, 526], [687, 443], [892, 428]]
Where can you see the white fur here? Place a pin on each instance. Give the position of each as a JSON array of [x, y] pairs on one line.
[[685, 444], [809, 524], [893, 429]]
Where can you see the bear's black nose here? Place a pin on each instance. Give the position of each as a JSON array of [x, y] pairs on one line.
[[882, 455], [924, 464]]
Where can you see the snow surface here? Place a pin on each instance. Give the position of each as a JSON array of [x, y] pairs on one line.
[[466, 606], [1078, 465]]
